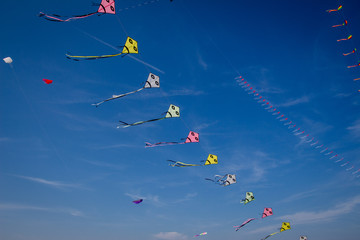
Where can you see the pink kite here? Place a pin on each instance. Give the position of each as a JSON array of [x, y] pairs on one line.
[[192, 137], [267, 212], [106, 6]]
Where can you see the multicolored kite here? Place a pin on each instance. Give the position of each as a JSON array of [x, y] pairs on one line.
[[345, 39], [354, 65], [285, 226], [343, 24], [225, 180], [353, 51], [201, 234], [106, 6], [248, 198], [192, 137], [335, 10], [173, 111], [129, 47], [153, 81], [244, 223]]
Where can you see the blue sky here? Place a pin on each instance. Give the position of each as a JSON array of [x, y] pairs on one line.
[[67, 172]]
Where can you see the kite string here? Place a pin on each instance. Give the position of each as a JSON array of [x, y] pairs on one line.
[[36, 118]]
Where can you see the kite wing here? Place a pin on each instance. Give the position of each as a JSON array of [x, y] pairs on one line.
[[303, 238], [244, 223], [181, 164], [106, 6], [130, 47], [267, 212], [249, 197]]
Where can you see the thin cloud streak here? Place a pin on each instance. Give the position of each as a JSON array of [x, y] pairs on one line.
[[54, 184], [19, 207]]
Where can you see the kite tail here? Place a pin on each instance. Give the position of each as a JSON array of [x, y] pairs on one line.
[[57, 18], [162, 144], [138, 123], [78, 58], [354, 66], [356, 79], [345, 39]]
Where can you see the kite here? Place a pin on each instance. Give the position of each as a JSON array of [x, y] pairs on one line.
[[353, 51], [138, 201], [356, 79], [212, 159], [201, 234], [334, 10], [354, 65], [345, 39], [303, 238], [192, 137], [153, 81], [47, 81], [249, 197], [343, 24], [174, 111], [129, 47], [106, 6], [285, 226], [244, 223], [225, 180], [8, 60], [267, 212]]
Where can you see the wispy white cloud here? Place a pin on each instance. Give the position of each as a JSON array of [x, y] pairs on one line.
[[170, 236], [355, 128], [104, 164], [54, 184], [184, 92], [296, 101], [187, 197], [19, 207], [300, 195], [201, 61], [321, 216], [4, 139]]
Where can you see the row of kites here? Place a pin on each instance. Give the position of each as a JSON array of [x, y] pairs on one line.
[[294, 129], [344, 24]]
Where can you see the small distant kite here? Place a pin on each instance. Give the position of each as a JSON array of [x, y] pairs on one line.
[[335, 10], [303, 238], [345, 39], [106, 6], [354, 65], [248, 198], [138, 201], [353, 51], [192, 137], [339, 25], [174, 111], [129, 47], [267, 212], [8, 60], [285, 226], [225, 180], [244, 223], [153, 81], [47, 81], [201, 234], [212, 159]]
